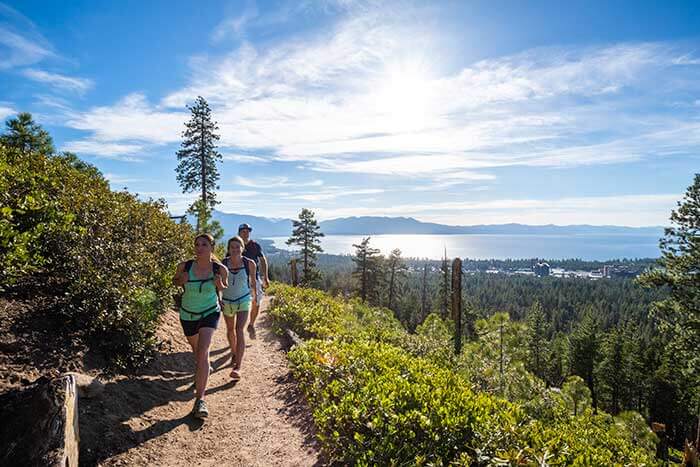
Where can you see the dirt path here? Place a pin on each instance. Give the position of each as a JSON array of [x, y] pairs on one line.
[[259, 421]]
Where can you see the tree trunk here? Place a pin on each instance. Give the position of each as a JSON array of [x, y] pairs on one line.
[[204, 165], [391, 285], [40, 424]]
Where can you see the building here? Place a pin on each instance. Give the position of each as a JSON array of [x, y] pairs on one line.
[[542, 269]]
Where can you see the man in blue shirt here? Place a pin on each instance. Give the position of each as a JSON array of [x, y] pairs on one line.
[[253, 251]]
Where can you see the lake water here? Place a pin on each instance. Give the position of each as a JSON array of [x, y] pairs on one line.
[[588, 246]]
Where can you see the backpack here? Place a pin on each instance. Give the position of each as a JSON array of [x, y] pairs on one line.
[[215, 268], [246, 264]]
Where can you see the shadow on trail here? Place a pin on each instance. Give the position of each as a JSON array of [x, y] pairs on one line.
[[116, 422], [295, 409]]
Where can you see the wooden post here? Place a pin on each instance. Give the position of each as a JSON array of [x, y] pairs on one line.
[[40, 424], [295, 277], [457, 302]]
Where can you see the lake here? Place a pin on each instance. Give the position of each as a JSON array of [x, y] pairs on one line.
[[584, 246]]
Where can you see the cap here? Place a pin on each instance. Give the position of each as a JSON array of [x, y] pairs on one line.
[[245, 226]]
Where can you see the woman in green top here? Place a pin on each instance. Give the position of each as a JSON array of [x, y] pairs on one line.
[[202, 279]]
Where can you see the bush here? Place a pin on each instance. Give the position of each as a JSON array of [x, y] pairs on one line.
[[381, 396], [107, 253]]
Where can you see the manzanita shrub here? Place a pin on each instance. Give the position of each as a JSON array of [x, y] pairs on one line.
[[108, 255], [382, 396]]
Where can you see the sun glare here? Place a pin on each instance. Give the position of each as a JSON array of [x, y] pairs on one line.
[[402, 96]]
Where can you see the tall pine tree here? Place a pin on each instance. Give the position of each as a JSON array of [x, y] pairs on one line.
[[306, 234], [368, 270], [680, 274], [537, 342], [397, 270], [198, 156]]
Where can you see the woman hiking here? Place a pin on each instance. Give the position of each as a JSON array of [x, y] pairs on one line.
[[202, 279], [237, 299]]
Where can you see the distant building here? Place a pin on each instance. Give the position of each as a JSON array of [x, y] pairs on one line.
[[542, 269]]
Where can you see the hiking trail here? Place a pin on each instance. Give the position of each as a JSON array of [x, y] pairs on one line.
[[260, 420]]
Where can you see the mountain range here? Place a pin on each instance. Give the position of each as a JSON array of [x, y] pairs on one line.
[[376, 225]]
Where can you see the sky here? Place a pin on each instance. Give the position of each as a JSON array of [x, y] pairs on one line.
[[479, 112]]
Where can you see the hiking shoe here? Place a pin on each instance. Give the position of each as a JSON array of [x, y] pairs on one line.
[[251, 331], [200, 409]]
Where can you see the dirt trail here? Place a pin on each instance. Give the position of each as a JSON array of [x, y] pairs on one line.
[[258, 421]]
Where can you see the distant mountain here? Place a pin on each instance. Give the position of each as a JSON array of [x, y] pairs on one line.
[[371, 225], [375, 225], [262, 226]]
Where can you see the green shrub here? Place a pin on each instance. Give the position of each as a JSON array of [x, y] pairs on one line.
[[381, 396], [109, 255]]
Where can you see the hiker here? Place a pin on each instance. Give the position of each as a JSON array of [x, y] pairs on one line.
[[237, 299], [253, 251], [202, 278]]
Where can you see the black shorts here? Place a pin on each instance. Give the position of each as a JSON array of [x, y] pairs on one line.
[[192, 327]]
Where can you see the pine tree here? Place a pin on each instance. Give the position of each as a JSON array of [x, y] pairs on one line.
[[612, 372], [25, 134], [306, 234], [397, 269], [424, 299], [368, 269], [537, 343], [445, 289], [197, 169], [584, 351], [680, 274]]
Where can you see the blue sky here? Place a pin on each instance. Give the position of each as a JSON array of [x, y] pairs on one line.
[[454, 112]]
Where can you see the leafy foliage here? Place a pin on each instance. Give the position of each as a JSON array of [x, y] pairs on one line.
[[382, 396], [680, 273], [107, 254]]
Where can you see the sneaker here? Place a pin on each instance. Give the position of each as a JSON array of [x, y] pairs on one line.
[[200, 409], [251, 331]]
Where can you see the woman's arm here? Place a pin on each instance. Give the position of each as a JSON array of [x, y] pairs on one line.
[[221, 281], [251, 277], [180, 278]]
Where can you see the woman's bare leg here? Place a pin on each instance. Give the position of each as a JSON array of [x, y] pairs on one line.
[[231, 336], [241, 319], [193, 341], [202, 375]]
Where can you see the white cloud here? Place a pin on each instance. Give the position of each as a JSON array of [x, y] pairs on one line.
[[368, 95], [121, 180], [78, 85], [234, 26], [20, 43], [120, 151], [6, 111], [231, 200], [244, 158], [132, 118], [272, 182]]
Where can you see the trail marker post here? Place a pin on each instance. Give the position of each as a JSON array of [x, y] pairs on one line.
[[457, 302]]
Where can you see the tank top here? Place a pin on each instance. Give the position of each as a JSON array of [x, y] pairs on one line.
[[238, 289], [199, 299]]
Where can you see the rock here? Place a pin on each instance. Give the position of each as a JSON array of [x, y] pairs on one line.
[[88, 387]]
